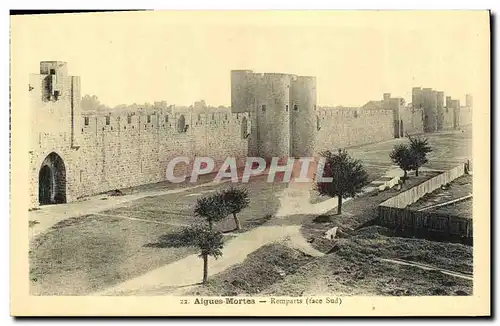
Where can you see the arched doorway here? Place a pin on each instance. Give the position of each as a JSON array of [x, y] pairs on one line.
[[52, 180]]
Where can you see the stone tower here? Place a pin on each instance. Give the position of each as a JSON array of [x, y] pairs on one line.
[[427, 99], [303, 116], [281, 109], [396, 104], [440, 110], [55, 135], [55, 99], [273, 115]]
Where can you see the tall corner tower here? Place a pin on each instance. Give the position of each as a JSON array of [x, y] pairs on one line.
[[302, 116], [243, 86], [272, 115], [55, 101]]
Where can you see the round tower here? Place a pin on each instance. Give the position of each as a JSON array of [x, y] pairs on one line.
[[303, 123], [272, 116], [242, 90]]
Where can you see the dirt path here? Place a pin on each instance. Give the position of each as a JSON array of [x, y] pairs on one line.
[[184, 274], [297, 241], [296, 201], [50, 215]]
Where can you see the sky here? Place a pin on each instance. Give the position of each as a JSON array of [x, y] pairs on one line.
[[183, 57]]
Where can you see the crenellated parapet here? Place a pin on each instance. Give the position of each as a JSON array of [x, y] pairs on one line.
[[158, 120], [271, 115], [281, 108]]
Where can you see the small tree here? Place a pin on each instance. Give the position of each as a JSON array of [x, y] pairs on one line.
[[236, 200], [420, 148], [403, 157], [212, 208], [208, 241], [348, 175]]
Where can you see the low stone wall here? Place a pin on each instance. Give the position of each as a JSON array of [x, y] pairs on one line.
[[411, 195], [393, 213], [425, 223]]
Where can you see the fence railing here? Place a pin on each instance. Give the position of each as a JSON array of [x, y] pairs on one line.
[[393, 213], [402, 219], [411, 195]]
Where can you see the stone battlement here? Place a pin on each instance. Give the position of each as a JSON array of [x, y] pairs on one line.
[[76, 153]]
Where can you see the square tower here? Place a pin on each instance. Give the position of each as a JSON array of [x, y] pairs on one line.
[[55, 104]]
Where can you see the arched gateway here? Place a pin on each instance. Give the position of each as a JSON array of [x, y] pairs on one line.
[[52, 180]]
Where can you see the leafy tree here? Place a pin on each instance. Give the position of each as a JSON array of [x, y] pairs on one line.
[[403, 156], [420, 148], [212, 208], [208, 241], [236, 199], [348, 174], [91, 103]]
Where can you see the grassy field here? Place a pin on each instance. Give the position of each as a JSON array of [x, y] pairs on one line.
[[167, 185], [178, 208], [449, 149], [380, 242], [262, 268], [335, 275], [86, 254], [355, 212], [462, 209], [355, 268], [89, 253], [457, 188]]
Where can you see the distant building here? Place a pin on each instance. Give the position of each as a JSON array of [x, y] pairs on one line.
[[396, 105]]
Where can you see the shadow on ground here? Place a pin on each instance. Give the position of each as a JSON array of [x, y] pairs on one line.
[[176, 239]]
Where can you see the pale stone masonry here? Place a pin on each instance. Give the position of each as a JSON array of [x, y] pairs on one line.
[[74, 154], [99, 152]]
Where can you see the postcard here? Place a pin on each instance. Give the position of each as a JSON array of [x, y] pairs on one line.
[[250, 163]]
